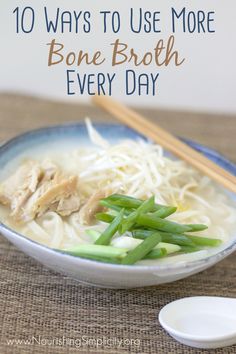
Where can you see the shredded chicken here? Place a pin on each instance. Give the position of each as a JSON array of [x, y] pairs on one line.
[[52, 195], [39, 187], [67, 206], [34, 189], [15, 191], [49, 168], [90, 208]]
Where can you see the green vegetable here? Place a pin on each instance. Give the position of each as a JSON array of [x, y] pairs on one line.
[[164, 212], [114, 207], [100, 259], [96, 251], [125, 201], [154, 222], [109, 232], [132, 217], [105, 217], [142, 250], [176, 239], [146, 220], [156, 253], [197, 227], [205, 241], [189, 249]]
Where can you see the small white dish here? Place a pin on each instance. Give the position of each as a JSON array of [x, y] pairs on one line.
[[205, 322]]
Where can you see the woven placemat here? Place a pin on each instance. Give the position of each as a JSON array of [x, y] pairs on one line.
[[43, 308], [45, 312]]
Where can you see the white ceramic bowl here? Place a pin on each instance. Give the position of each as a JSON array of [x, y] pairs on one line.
[[88, 271]]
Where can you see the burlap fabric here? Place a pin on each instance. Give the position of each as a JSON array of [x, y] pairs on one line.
[[44, 312]]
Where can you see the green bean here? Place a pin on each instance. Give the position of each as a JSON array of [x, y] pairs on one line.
[[179, 239], [142, 250], [101, 259], [176, 239], [164, 212], [151, 222], [105, 217], [96, 251], [162, 224], [142, 234], [128, 202], [189, 249], [114, 207], [157, 253], [205, 241], [129, 222], [109, 232], [197, 227]]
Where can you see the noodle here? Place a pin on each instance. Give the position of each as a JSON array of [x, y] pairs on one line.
[[140, 169]]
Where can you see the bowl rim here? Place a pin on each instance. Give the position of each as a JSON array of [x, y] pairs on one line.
[[136, 268]]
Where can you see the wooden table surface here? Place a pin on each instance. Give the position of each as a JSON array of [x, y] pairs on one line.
[[38, 306]]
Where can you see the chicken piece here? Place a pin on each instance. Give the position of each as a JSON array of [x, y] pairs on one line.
[[35, 188], [67, 206], [49, 169], [86, 215], [56, 192], [20, 186]]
